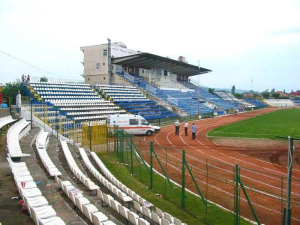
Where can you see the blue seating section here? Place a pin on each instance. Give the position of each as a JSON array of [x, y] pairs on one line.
[[255, 102], [75, 101], [133, 101], [187, 101], [297, 101]]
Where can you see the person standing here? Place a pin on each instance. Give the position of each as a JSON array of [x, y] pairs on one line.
[[186, 126], [177, 125], [194, 130]]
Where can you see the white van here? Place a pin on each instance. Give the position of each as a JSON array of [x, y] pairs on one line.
[[133, 124]]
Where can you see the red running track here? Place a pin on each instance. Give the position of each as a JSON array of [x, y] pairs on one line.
[[262, 162]]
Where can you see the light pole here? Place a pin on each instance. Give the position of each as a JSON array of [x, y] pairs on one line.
[[109, 61], [31, 112], [199, 90]]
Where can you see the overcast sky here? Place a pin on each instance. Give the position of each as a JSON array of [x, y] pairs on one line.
[[238, 40]]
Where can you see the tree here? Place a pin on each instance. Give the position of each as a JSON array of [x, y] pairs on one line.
[[265, 94], [275, 95], [211, 90], [11, 89], [43, 79], [233, 90], [239, 96], [273, 90]]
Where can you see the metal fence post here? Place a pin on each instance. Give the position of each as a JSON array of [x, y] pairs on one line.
[[90, 133], [131, 155], [183, 181], [151, 165], [236, 196]]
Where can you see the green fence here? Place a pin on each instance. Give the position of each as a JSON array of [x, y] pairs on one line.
[[172, 172]]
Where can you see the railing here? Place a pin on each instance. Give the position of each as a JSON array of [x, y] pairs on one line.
[[129, 77]]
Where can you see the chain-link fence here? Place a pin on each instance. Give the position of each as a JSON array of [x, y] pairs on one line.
[[172, 174]]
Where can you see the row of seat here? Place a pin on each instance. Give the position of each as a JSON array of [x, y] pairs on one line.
[[140, 205], [58, 84], [129, 215], [6, 120], [81, 104], [83, 204], [75, 169], [103, 117], [39, 209], [65, 93], [49, 97], [41, 145], [62, 89], [89, 108], [97, 112], [77, 101], [123, 196], [13, 136]]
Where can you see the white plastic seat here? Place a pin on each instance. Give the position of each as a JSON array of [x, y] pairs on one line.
[[88, 210], [156, 218], [178, 222], [42, 212], [80, 201], [146, 212], [52, 221], [114, 205], [165, 222], [159, 212], [141, 221], [137, 207], [98, 218], [168, 217], [133, 218], [123, 211]]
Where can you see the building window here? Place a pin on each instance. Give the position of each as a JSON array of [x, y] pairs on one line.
[[103, 64], [165, 73], [143, 71], [97, 66], [105, 52]]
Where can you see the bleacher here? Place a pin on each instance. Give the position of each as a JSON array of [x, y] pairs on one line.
[[132, 100], [280, 103], [256, 102], [297, 101], [75, 101]]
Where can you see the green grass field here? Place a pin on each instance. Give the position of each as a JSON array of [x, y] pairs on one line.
[[194, 205], [285, 122]]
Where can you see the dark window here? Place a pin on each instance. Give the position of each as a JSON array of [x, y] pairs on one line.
[[144, 122], [104, 52], [103, 78], [103, 64], [165, 73], [143, 71], [133, 122], [97, 66]]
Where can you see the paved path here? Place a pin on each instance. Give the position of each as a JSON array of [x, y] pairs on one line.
[[47, 185]]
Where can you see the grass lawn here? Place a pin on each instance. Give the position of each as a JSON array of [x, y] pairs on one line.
[[194, 205], [285, 122]]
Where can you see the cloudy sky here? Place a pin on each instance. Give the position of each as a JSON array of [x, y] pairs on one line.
[[238, 40]]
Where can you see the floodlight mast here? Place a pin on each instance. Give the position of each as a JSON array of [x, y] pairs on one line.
[[109, 61], [199, 90]]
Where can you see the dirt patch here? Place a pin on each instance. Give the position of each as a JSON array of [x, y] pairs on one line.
[[10, 211]]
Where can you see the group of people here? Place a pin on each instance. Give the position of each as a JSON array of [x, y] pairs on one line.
[[186, 127], [25, 79]]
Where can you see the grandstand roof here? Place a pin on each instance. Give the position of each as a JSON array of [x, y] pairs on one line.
[[149, 61]]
